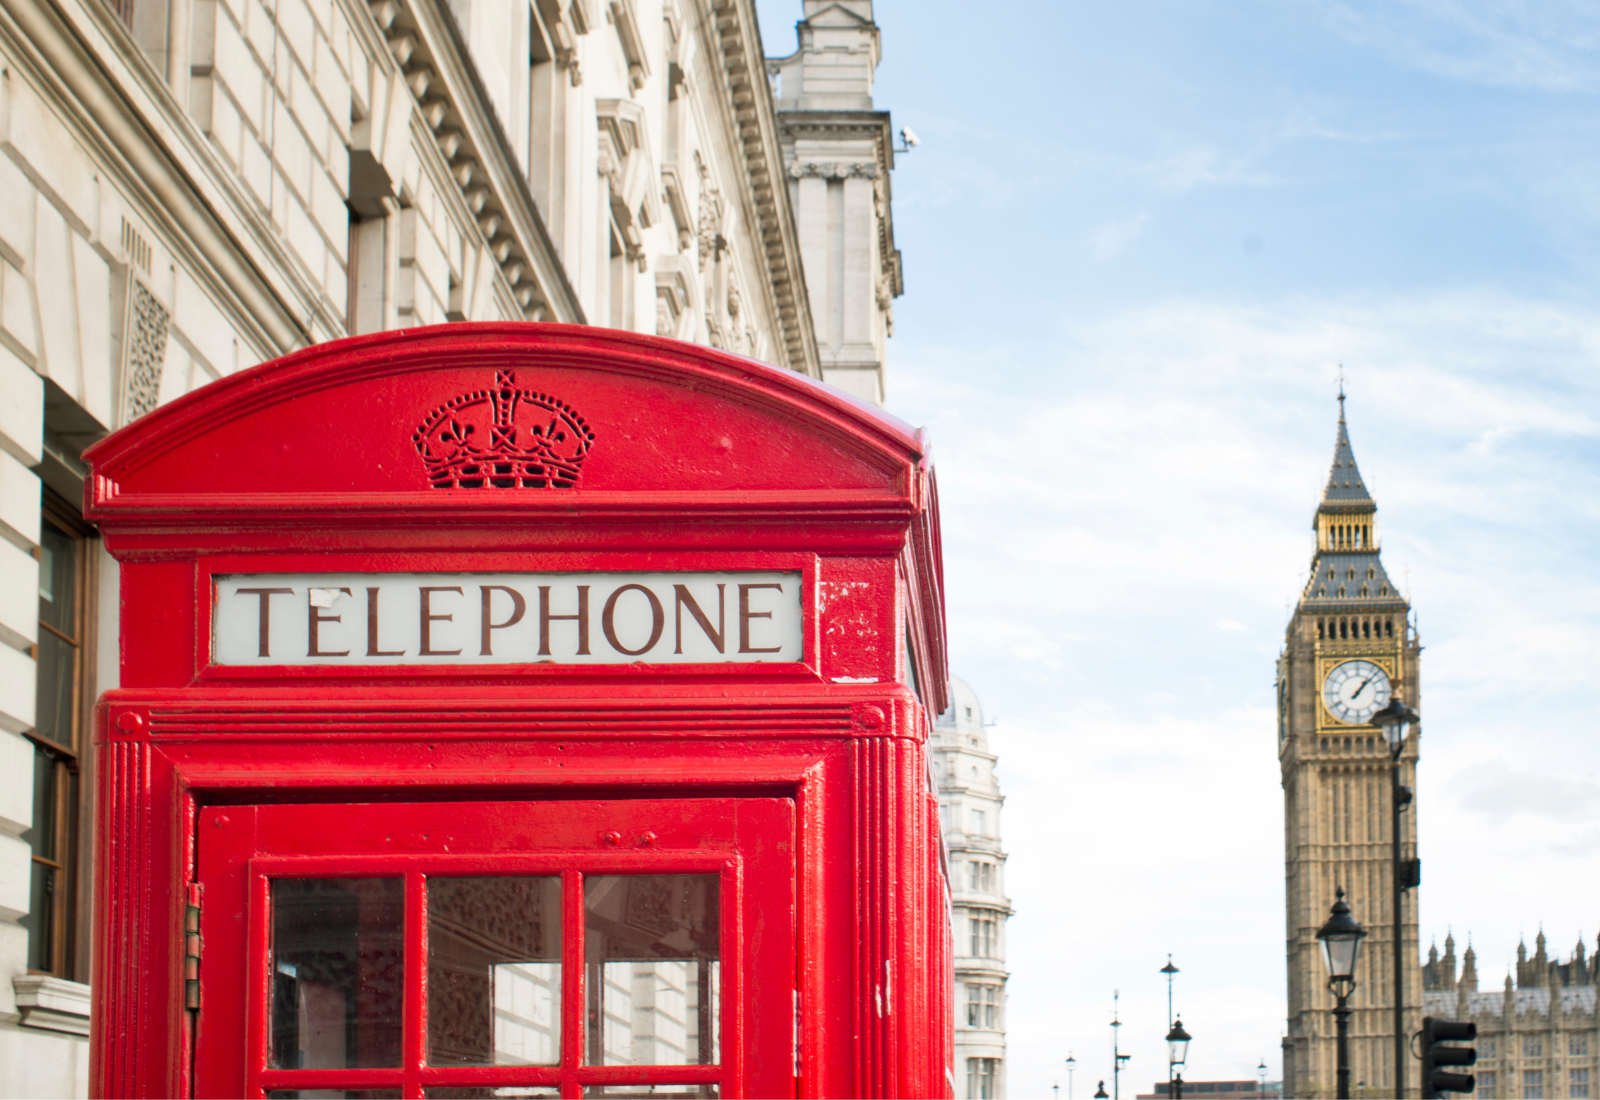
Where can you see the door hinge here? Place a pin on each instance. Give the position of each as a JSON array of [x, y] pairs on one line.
[[191, 949]]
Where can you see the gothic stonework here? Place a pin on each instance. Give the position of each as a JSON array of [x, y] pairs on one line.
[[1540, 1035], [1335, 773]]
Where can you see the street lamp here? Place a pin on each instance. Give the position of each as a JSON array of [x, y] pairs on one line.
[[1100, 1093], [1177, 1053], [1072, 1064], [1341, 940], [1395, 719], [1169, 970], [1261, 1072]]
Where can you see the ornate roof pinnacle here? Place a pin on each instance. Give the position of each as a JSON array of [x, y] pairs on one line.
[[1345, 486]]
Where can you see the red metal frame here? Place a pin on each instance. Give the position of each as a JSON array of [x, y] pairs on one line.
[[701, 461], [747, 842]]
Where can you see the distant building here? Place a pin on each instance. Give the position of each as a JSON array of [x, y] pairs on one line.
[[1348, 649], [1537, 1037], [969, 807], [1220, 1090]]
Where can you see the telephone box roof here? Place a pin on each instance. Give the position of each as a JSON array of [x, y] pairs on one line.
[[579, 414]]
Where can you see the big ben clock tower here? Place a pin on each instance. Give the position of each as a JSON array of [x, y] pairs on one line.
[[1347, 651]]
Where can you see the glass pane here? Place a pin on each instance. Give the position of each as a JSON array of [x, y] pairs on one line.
[[489, 1092], [58, 660], [652, 945], [337, 960], [334, 1094], [494, 972], [614, 1091]]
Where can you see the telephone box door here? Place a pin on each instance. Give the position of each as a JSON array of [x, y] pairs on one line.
[[563, 948]]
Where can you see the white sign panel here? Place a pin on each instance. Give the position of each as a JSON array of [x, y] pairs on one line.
[[506, 618]]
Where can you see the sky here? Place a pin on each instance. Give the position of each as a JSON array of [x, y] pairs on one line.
[[1140, 238]]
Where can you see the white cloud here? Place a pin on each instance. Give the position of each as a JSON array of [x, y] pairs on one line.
[[1111, 240], [1550, 45], [1127, 516]]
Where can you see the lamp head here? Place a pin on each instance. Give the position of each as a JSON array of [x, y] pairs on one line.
[[1394, 719], [1177, 1044], [1341, 938], [1100, 1093]]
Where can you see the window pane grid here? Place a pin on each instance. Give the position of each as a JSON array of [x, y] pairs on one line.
[[52, 916], [675, 1059]]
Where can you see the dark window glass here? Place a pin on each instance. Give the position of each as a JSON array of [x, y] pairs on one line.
[[337, 963], [53, 837]]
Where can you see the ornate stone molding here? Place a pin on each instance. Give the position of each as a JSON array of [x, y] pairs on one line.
[[738, 46], [452, 104], [838, 170]]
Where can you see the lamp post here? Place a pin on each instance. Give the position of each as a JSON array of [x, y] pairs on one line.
[[1261, 1072], [1341, 942], [1395, 719], [1072, 1064], [1177, 1054], [1169, 970], [1117, 1057]]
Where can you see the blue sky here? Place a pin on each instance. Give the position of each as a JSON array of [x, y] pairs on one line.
[[1139, 239]]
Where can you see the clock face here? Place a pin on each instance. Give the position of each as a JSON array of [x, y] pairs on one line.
[[1355, 690]]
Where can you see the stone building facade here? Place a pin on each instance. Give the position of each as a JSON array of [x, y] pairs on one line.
[[1537, 1037], [969, 806], [1348, 647], [191, 187]]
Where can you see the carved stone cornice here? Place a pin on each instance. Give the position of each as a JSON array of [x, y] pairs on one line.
[[737, 46], [454, 107], [837, 170]]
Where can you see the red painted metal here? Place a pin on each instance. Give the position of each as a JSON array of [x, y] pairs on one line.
[[700, 461]]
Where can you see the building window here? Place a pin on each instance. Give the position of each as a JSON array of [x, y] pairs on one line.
[[1532, 1048], [1485, 1081], [1578, 1045], [1532, 1084], [983, 1006], [985, 928], [980, 825], [1577, 1082], [983, 1078], [53, 912], [981, 876], [1486, 1048]]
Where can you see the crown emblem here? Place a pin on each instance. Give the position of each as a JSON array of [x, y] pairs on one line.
[[503, 438]]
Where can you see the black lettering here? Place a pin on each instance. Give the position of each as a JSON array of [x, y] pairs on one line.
[[314, 620], [519, 606], [265, 620], [745, 615], [681, 599], [545, 619], [428, 619], [658, 620]]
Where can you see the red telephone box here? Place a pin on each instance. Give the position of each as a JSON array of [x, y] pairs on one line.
[[520, 710]]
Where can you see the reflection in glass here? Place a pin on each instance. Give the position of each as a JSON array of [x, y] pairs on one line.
[[58, 641], [337, 959], [489, 1092], [652, 944], [615, 1092], [494, 972]]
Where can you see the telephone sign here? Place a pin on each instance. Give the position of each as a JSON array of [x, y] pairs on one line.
[[556, 726], [507, 618]]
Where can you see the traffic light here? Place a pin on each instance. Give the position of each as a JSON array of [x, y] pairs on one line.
[[1434, 1055]]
